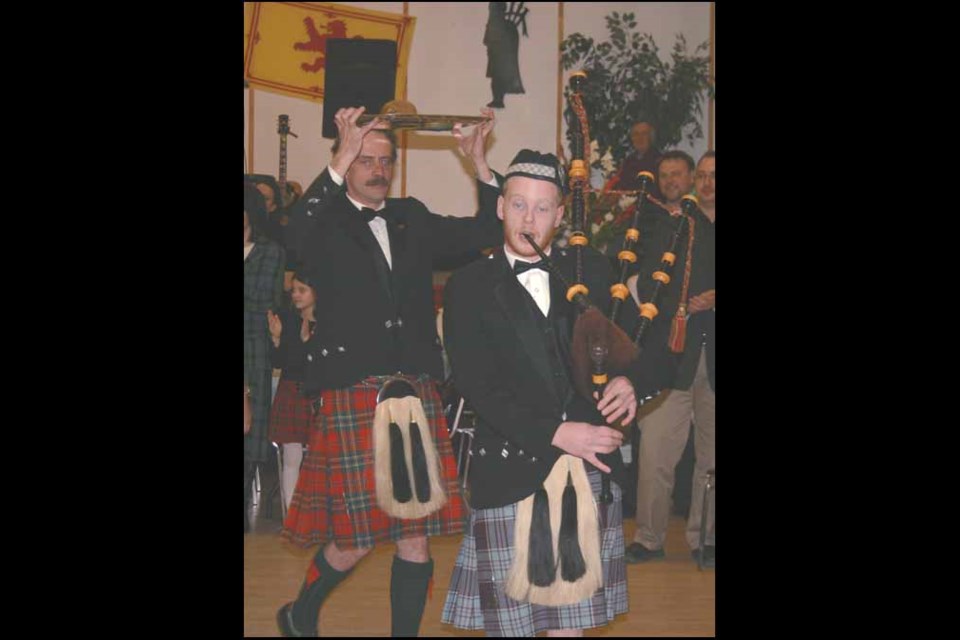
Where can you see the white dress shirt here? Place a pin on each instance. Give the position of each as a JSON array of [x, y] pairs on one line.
[[535, 281], [378, 225]]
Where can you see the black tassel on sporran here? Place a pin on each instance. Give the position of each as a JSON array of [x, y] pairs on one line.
[[398, 466], [541, 566], [572, 564], [421, 477]]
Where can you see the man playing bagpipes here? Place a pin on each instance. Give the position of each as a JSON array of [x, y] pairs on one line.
[[539, 553], [379, 465]]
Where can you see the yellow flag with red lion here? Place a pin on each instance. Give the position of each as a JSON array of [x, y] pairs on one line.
[[285, 42]]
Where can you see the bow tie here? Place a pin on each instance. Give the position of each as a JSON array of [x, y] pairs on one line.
[[369, 214], [519, 266]]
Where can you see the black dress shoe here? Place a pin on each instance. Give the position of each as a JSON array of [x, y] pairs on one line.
[[636, 553], [285, 623]]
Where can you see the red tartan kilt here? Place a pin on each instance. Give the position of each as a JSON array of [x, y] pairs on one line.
[[290, 416], [335, 498]]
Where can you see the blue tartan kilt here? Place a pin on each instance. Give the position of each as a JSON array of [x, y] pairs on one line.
[[475, 599]]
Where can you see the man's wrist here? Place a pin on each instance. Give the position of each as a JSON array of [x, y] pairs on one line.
[[558, 436], [337, 175], [486, 176]]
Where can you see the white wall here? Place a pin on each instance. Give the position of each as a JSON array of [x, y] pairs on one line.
[[448, 65], [446, 74]]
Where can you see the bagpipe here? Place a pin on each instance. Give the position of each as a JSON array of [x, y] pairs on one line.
[[600, 347]]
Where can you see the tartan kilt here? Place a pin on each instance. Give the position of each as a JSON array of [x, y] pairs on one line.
[[335, 498], [476, 598], [290, 416]]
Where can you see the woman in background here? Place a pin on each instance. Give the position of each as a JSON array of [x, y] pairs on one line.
[[291, 414]]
